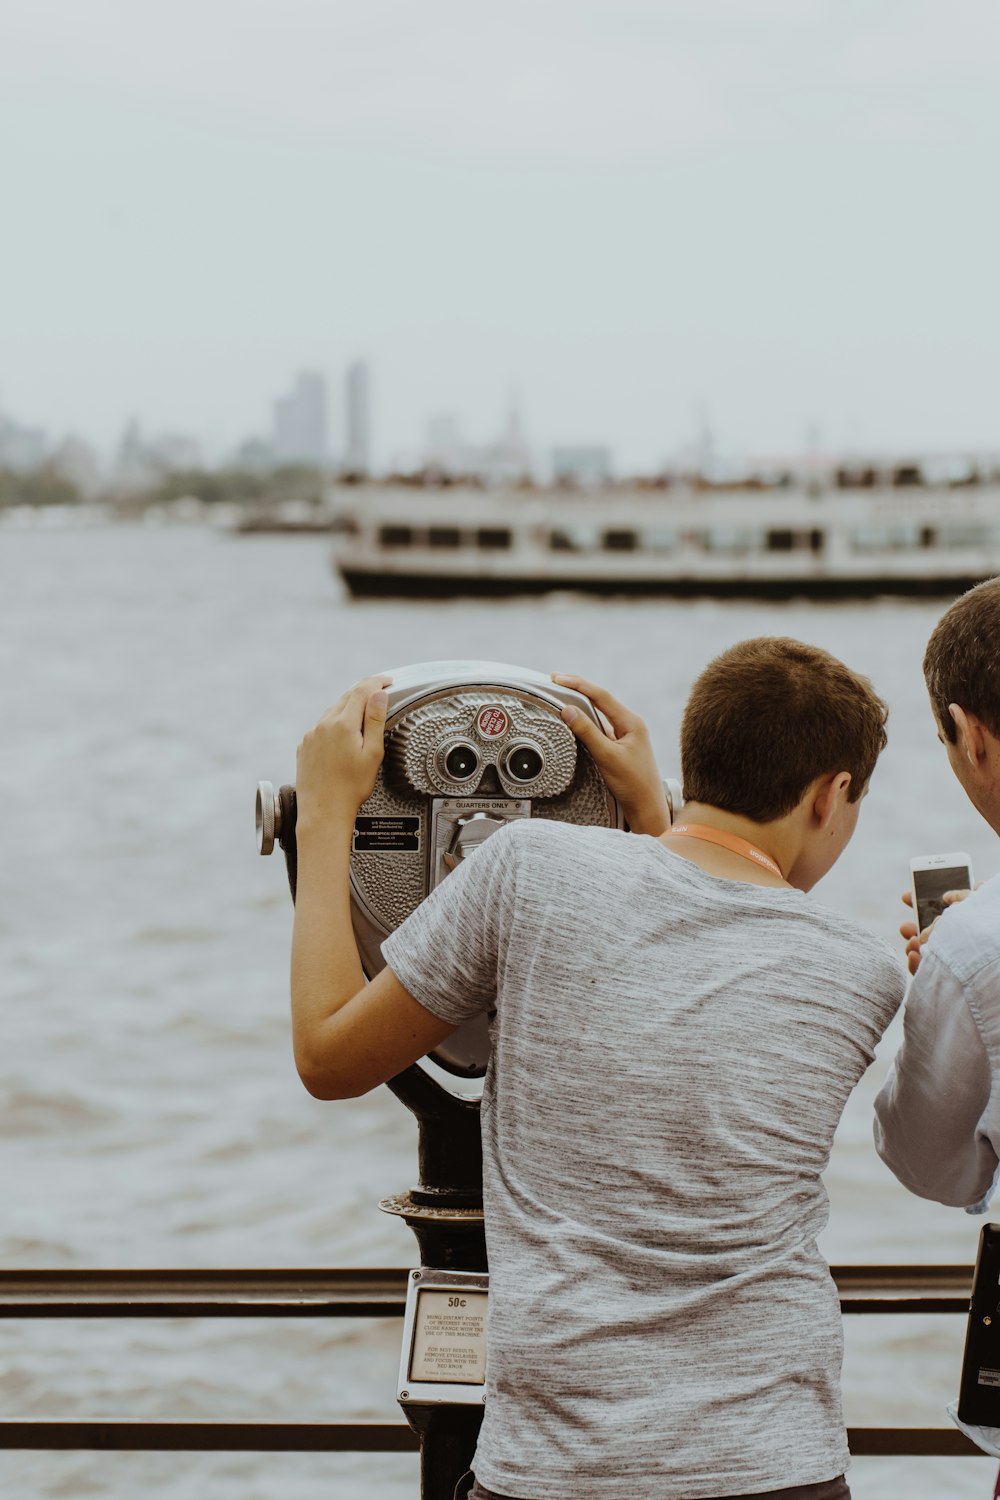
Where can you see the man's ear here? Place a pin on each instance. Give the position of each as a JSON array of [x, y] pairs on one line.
[[968, 735], [831, 794]]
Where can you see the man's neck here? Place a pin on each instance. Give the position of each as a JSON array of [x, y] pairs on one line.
[[772, 840]]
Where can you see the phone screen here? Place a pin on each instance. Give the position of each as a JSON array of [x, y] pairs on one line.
[[929, 887]]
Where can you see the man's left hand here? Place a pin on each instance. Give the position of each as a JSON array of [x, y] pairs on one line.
[[624, 756]]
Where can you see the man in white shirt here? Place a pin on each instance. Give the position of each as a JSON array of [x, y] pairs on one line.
[[937, 1122]]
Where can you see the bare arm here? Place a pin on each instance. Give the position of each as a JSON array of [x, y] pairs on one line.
[[348, 1036]]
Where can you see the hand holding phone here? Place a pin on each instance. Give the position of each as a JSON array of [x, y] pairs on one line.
[[932, 877]]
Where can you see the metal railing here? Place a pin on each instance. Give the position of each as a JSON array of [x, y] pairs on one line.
[[369, 1293]]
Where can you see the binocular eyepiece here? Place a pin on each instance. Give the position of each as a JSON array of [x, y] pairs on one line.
[[522, 762]]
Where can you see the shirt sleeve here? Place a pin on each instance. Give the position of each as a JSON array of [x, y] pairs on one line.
[[930, 1128], [447, 953]]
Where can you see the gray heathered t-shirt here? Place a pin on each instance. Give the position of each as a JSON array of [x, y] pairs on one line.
[[671, 1056]]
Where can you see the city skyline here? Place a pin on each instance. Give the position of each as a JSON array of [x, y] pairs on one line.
[[327, 425]]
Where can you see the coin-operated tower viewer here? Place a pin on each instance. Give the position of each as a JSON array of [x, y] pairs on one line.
[[469, 746]]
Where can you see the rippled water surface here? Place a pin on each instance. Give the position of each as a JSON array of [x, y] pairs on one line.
[[150, 1114]]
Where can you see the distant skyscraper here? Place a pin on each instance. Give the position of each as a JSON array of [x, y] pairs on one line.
[[300, 422], [358, 456]]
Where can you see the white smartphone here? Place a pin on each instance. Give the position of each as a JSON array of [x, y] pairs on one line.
[[933, 874]]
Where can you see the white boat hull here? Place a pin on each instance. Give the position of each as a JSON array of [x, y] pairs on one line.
[[764, 544]]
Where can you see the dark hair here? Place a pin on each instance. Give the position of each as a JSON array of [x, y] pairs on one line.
[[769, 716], [962, 660]]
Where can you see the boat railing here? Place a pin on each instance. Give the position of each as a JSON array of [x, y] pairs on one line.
[[339, 1293]]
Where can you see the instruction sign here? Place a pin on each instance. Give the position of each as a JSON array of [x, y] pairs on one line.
[[443, 1358], [449, 1342]]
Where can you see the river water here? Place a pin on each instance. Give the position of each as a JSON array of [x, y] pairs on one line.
[[149, 1110]]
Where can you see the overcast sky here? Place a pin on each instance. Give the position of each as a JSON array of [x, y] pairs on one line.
[[782, 213]]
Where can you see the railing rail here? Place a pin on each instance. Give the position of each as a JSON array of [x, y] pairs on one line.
[[208, 1436], [364, 1293], [369, 1292]]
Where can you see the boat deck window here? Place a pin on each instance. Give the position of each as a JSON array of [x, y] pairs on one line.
[[493, 538], [785, 540], [395, 536], [571, 539], [863, 478], [619, 540], [444, 536]]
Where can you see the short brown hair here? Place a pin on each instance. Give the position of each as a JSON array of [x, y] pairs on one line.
[[769, 716], [962, 660]]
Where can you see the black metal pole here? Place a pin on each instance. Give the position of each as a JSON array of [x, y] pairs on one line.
[[448, 1437], [445, 1212]]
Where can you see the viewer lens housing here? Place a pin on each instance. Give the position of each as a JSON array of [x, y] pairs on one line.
[[524, 763], [461, 761]]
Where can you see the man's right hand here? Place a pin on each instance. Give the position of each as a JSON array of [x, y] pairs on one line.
[[624, 757], [915, 939]]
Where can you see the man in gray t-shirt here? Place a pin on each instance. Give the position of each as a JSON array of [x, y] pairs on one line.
[[676, 1027]]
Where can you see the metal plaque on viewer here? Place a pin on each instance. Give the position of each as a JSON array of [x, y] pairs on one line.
[[443, 1359]]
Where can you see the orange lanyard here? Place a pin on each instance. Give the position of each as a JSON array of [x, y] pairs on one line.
[[728, 841]]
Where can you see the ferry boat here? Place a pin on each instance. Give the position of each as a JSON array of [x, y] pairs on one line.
[[845, 532]]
